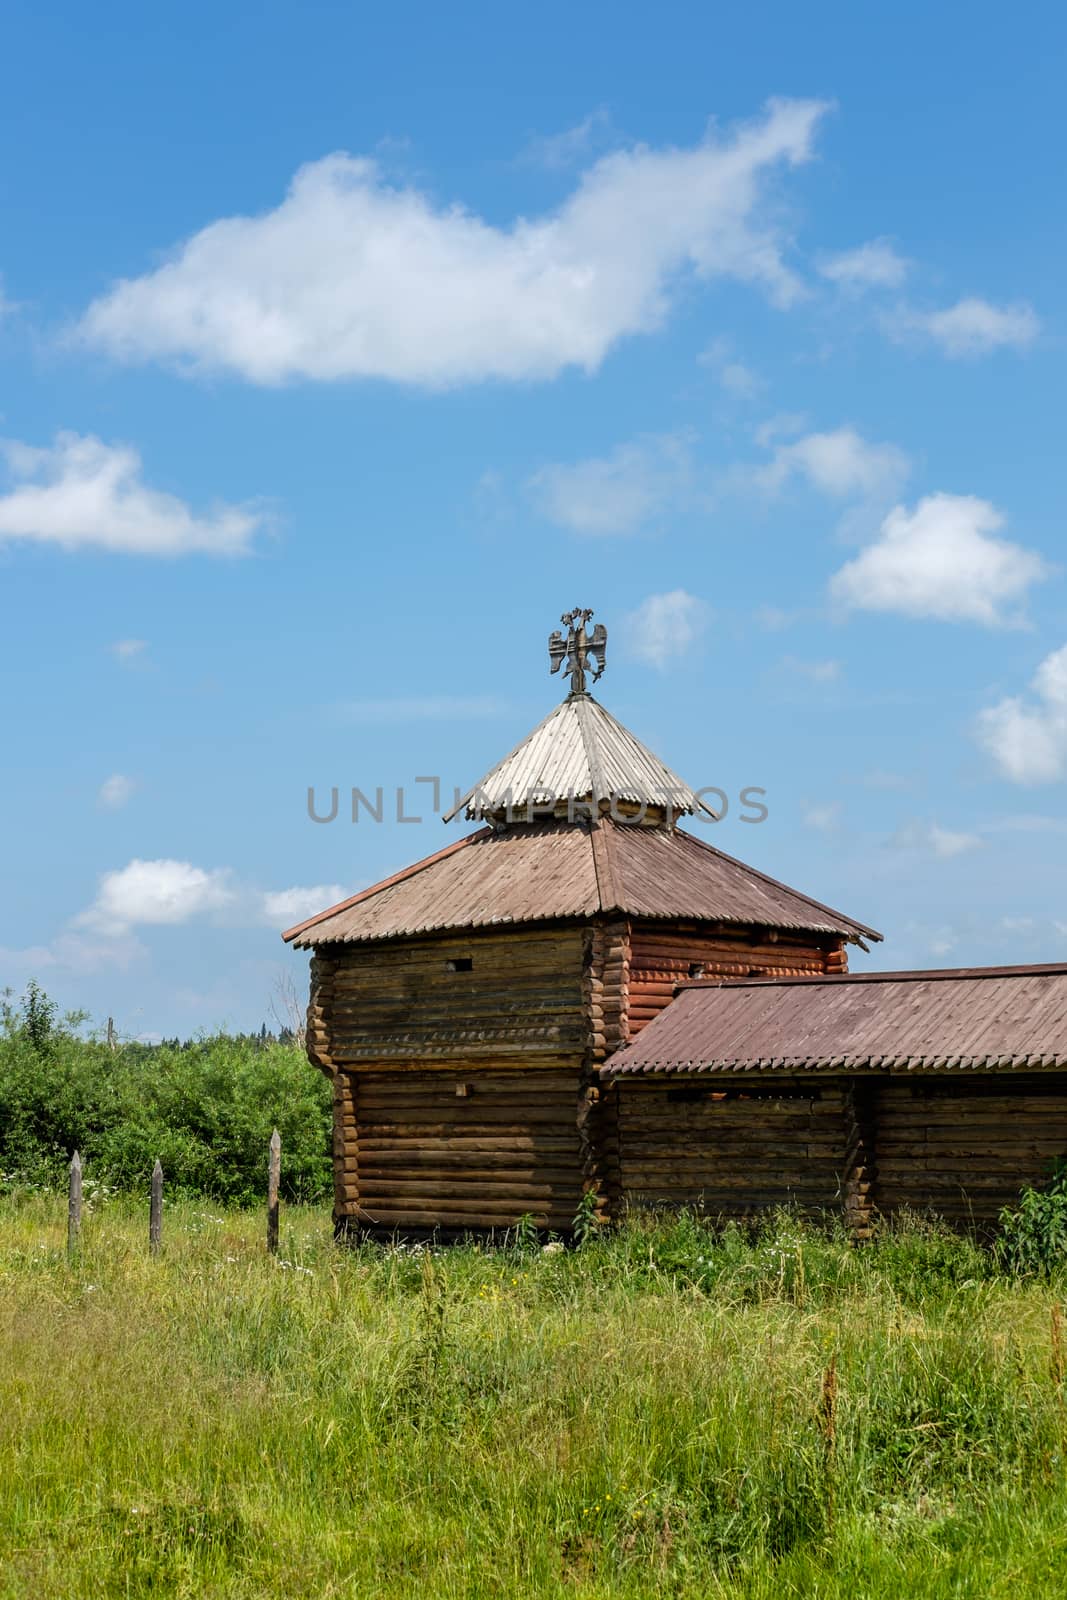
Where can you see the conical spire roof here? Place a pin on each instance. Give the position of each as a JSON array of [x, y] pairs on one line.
[[580, 754], [589, 856]]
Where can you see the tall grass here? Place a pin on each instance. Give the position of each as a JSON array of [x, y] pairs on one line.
[[666, 1411]]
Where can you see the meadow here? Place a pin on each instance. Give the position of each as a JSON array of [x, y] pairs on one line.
[[668, 1410]]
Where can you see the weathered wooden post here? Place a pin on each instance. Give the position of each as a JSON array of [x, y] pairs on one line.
[[274, 1173], [74, 1205], [155, 1214]]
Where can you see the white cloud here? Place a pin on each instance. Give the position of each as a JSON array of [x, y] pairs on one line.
[[350, 277], [874, 265], [1026, 822], [155, 893], [940, 560], [126, 650], [774, 618], [972, 327], [70, 952], [816, 671], [1028, 739], [840, 463], [740, 380], [931, 839], [733, 375], [879, 778], [81, 492], [664, 626], [618, 493], [115, 792], [285, 907], [783, 425], [556, 151], [826, 818]]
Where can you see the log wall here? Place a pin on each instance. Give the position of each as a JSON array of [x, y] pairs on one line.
[[965, 1148], [464, 1092], [961, 1149], [665, 954], [733, 1152], [452, 1149], [411, 1000]]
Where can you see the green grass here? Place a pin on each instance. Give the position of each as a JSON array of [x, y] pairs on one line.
[[664, 1412]]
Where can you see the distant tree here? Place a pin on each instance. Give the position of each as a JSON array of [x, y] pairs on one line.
[[38, 1017]]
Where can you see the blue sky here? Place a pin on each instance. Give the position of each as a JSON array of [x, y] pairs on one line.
[[342, 351]]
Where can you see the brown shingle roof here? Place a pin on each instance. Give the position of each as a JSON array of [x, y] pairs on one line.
[[548, 871], [971, 1018]]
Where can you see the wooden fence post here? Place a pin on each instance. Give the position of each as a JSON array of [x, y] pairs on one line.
[[74, 1205], [155, 1214], [274, 1173]]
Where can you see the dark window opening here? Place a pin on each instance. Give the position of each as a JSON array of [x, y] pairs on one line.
[[696, 969], [460, 964]]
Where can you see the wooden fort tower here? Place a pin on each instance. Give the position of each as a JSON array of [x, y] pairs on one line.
[[463, 1007]]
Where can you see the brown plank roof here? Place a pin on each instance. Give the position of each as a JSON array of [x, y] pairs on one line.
[[559, 870], [579, 752], [984, 1018]]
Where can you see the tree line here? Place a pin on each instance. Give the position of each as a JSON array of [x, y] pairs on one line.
[[204, 1107]]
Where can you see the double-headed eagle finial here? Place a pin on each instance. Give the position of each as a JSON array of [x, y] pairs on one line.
[[576, 649]]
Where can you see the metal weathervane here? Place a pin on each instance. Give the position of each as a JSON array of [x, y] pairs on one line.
[[574, 652]]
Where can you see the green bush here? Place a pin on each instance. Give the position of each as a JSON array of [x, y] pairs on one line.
[[206, 1109], [1033, 1236]]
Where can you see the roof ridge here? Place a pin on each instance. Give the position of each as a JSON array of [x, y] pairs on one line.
[[592, 754], [903, 975], [606, 868], [386, 883], [776, 883]]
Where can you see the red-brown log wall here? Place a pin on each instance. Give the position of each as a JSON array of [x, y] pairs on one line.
[[664, 954]]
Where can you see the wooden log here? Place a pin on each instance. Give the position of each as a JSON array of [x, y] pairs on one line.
[[487, 1122], [74, 1205], [274, 1170], [155, 1210], [455, 1179], [458, 1205], [388, 1221], [370, 1146], [445, 1185], [538, 1083], [561, 1159]]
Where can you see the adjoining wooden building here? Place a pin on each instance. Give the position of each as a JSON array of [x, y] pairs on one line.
[[931, 1091], [464, 1007]]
